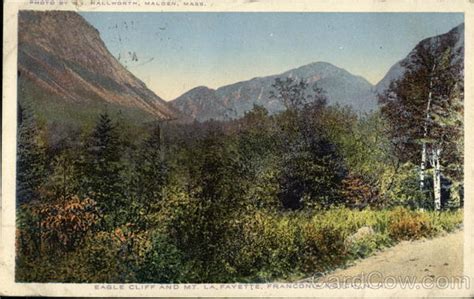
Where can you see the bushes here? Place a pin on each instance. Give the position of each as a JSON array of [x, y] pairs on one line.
[[162, 263], [409, 225], [275, 246], [268, 246], [322, 247], [258, 246], [401, 188], [447, 221]]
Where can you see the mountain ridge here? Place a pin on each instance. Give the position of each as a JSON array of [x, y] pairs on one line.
[[233, 100], [61, 54], [397, 70]]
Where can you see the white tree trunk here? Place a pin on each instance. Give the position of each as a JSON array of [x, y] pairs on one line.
[[435, 158], [423, 166], [425, 135]]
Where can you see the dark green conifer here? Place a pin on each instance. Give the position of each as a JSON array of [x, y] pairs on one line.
[[31, 171]]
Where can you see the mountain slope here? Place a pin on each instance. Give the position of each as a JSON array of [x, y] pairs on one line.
[[63, 63], [455, 40], [232, 101], [201, 101]]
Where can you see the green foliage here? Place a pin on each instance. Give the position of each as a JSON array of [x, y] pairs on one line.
[[267, 246], [103, 257], [446, 222], [257, 147], [102, 169], [424, 110], [152, 170], [312, 170], [403, 188], [260, 246], [63, 180], [163, 262], [262, 198], [31, 158]]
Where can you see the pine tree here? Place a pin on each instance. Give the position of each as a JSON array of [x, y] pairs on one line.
[[31, 170], [102, 169], [152, 170]]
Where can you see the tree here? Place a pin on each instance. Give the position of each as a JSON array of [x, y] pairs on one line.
[[63, 181], [367, 153], [293, 94], [102, 168], [219, 187], [31, 169], [419, 107], [312, 170], [152, 170], [258, 146]]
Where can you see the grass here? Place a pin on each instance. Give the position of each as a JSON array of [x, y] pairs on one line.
[[334, 238], [262, 246]]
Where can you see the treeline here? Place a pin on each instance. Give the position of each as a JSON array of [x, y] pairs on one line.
[[257, 198]]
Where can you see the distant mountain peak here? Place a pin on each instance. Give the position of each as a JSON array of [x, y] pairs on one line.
[[201, 88], [233, 100]]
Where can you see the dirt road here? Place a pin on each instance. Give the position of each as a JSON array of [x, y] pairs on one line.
[[442, 256]]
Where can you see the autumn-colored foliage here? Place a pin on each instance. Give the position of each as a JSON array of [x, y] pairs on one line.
[[63, 224], [358, 192]]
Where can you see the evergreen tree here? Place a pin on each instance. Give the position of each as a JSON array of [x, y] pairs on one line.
[[31, 170], [102, 168], [152, 170]]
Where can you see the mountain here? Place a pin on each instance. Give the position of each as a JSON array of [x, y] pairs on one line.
[[453, 39], [232, 101], [65, 70], [202, 101]]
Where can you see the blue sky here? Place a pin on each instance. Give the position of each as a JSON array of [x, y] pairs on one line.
[[175, 52]]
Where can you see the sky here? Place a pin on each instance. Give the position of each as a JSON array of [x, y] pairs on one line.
[[173, 52]]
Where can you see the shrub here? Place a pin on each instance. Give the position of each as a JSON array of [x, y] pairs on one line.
[[402, 188], [162, 263], [258, 246], [409, 225], [265, 246], [446, 221], [358, 192], [103, 258], [323, 247]]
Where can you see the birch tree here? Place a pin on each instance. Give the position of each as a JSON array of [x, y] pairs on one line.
[[421, 107]]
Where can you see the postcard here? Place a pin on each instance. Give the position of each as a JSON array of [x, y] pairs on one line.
[[237, 148]]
